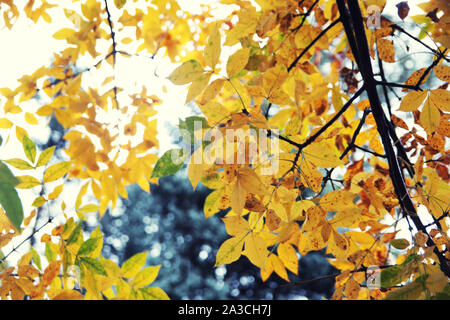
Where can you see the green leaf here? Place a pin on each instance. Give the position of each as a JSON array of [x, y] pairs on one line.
[[88, 246], [10, 201], [6, 176], [50, 252], [170, 163], [36, 258], [399, 244], [29, 148], [187, 127], [45, 156], [131, 267], [154, 293], [410, 291], [394, 275], [93, 265]]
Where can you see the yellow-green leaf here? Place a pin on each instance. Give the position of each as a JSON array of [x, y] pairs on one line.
[[27, 182], [19, 164], [29, 148], [145, 277], [131, 267], [45, 156], [38, 202], [56, 171], [154, 293]]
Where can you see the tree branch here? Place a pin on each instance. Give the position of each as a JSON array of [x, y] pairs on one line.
[[333, 119], [311, 44], [358, 36]]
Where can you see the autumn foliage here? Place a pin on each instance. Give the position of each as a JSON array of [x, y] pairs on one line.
[[304, 139]]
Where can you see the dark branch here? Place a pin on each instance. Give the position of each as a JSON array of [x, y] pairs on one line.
[[311, 44]]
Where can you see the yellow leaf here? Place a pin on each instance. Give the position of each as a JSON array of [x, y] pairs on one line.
[[346, 217], [68, 294], [237, 198], [56, 192], [89, 208], [195, 168], [19, 164], [441, 99], [386, 50], [315, 218], [412, 100], [288, 256], [352, 289], [237, 61], [56, 171], [430, 117], [279, 210], [229, 251], [310, 176], [256, 249], [414, 78], [299, 209], [442, 72], [277, 266], [131, 267], [45, 156], [322, 155], [211, 91], [211, 205], [197, 86], [251, 182], [5, 123], [120, 3], [64, 33], [236, 225], [213, 48], [337, 200], [145, 277], [189, 71], [38, 202], [214, 111], [361, 237], [30, 118]]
